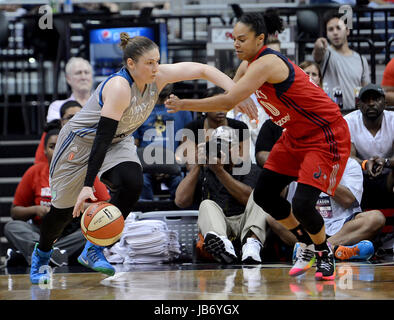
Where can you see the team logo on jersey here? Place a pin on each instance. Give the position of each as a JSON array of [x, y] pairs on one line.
[[71, 156], [317, 174]]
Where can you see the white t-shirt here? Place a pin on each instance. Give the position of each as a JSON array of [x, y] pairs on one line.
[[333, 213], [54, 108], [367, 146], [254, 127]]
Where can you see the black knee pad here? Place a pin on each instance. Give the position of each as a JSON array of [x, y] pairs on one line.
[[304, 209], [125, 181], [274, 204]]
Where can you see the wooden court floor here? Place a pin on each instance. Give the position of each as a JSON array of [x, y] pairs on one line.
[[354, 281]]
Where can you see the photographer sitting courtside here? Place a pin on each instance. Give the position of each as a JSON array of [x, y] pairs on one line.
[[226, 207]]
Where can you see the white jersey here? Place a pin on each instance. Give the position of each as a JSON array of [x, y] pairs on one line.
[[333, 213]]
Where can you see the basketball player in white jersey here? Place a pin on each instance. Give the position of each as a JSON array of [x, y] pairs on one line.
[[98, 141]]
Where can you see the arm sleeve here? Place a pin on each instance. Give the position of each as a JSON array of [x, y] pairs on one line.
[[106, 129]]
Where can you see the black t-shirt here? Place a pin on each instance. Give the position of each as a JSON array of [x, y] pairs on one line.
[[268, 135], [198, 124], [209, 187]]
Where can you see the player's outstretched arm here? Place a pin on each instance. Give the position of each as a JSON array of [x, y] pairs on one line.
[[258, 72], [170, 73]]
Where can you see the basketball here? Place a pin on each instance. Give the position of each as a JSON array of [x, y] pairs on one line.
[[102, 223]]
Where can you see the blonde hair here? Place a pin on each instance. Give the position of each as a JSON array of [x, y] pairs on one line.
[[135, 47]]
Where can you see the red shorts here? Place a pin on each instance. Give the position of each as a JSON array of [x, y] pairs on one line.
[[318, 159]]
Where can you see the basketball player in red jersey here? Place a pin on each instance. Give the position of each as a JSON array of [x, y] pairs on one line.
[[312, 150]]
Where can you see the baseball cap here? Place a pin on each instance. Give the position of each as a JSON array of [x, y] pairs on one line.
[[371, 87]]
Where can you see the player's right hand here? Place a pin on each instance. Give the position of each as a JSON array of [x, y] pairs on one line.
[[86, 193], [249, 108]]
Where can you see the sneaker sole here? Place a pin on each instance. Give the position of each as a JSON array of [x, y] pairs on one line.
[[250, 260], [215, 246], [39, 281], [301, 271], [106, 271], [340, 256], [319, 277]]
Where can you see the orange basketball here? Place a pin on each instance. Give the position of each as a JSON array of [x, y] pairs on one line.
[[102, 223]]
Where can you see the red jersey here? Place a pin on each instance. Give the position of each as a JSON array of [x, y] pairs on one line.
[[34, 188], [297, 104]]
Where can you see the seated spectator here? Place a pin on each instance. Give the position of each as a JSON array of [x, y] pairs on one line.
[[343, 69], [32, 202], [313, 71], [160, 130], [372, 135], [348, 229], [388, 83], [79, 76], [226, 207], [201, 129], [67, 110]]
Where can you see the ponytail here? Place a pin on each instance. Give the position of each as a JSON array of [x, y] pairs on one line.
[[273, 22], [267, 23]]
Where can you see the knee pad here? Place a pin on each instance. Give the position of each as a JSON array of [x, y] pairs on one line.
[[273, 204], [304, 209]]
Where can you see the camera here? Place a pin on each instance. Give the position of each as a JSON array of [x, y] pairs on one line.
[[214, 147]]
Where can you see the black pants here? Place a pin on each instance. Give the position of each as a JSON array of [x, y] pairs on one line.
[[125, 181], [267, 195]]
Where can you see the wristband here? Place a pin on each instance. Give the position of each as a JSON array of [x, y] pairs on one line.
[[363, 164]]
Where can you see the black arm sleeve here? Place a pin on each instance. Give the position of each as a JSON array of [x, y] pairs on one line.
[[106, 130]]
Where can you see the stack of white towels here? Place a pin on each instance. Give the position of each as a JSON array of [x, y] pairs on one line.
[[145, 241]]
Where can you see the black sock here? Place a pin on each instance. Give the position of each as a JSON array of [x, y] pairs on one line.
[[301, 235], [321, 247]]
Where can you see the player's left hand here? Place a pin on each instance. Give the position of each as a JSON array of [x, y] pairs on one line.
[[249, 108], [173, 104]]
